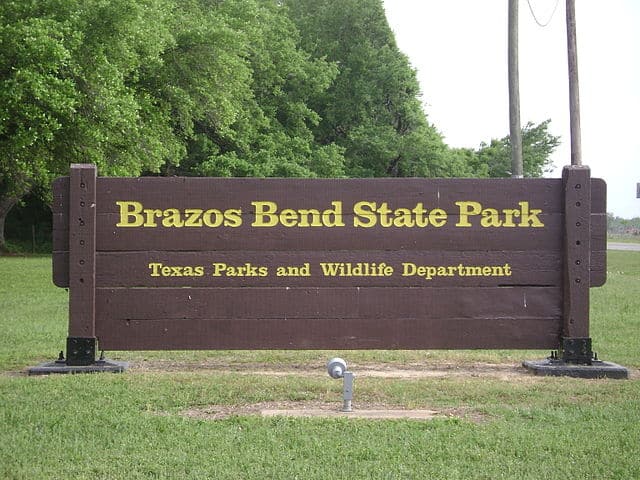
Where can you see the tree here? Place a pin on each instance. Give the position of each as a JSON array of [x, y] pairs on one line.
[[372, 109], [191, 86], [69, 71], [264, 83], [494, 159]]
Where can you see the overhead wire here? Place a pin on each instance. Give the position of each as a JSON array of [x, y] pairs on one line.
[[533, 14]]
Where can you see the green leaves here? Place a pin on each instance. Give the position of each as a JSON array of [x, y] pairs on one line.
[[494, 159], [69, 90], [230, 88], [372, 109]]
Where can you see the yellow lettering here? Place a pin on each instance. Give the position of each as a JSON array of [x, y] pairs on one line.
[[130, 214], [490, 218], [233, 217], [212, 218], [437, 217], [366, 210], [509, 214], [265, 214], [194, 217], [383, 211], [289, 218], [403, 218], [467, 209], [155, 267], [529, 218], [172, 218], [151, 215], [218, 268], [333, 218]]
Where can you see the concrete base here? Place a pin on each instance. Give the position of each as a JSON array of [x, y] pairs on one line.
[[61, 367], [382, 414], [559, 368]]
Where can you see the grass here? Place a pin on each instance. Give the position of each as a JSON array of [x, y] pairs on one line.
[[623, 238], [129, 426]]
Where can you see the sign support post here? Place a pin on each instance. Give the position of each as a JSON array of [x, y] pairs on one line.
[[576, 357], [576, 343], [81, 339], [81, 342]]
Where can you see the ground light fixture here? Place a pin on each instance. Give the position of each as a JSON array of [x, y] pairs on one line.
[[337, 368]]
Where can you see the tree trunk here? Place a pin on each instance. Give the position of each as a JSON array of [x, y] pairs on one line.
[[6, 204]]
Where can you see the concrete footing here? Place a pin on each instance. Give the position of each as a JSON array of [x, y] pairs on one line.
[[559, 368]]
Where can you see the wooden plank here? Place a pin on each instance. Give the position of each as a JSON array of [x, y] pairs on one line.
[[598, 261], [338, 199], [331, 333], [203, 192], [60, 233], [598, 268], [577, 251], [339, 268], [433, 193], [110, 271], [82, 242], [224, 193], [335, 268], [330, 302], [379, 238], [60, 269], [599, 197], [281, 238]]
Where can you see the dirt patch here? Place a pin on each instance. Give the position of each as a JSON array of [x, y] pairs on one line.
[[364, 370], [499, 371], [317, 409]]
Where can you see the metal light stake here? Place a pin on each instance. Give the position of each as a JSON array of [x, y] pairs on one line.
[[337, 368]]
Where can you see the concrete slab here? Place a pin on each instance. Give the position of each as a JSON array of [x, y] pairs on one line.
[[383, 414]]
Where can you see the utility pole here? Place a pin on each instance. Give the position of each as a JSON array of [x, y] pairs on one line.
[[515, 133], [574, 91]]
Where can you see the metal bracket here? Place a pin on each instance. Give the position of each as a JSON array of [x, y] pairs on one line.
[[576, 350], [81, 351], [575, 359], [347, 391], [81, 358]]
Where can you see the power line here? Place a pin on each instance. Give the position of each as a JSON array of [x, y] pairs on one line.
[[533, 14]]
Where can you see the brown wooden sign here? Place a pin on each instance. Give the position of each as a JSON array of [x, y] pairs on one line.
[[245, 263]]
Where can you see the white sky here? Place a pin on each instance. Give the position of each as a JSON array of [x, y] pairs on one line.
[[459, 48]]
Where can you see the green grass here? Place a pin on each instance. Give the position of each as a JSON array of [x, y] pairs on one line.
[[128, 426], [623, 238]]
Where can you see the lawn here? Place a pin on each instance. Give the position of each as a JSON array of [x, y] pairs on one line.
[[133, 425]]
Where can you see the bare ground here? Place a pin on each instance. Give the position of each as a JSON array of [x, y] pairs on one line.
[[317, 409], [503, 371], [510, 372]]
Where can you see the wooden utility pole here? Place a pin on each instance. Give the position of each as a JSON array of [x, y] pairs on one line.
[[574, 92], [515, 133]]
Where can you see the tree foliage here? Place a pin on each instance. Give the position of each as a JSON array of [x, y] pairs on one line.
[[221, 88], [621, 226], [209, 87], [373, 108], [70, 89], [537, 146], [265, 129]]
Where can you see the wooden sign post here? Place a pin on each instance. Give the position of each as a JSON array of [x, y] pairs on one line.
[[243, 263]]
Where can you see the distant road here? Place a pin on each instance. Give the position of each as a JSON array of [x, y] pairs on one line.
[[634, 247]]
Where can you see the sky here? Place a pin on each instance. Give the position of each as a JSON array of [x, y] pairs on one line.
[[459, 49]]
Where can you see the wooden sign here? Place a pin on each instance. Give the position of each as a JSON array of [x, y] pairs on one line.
[[246, 263]]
